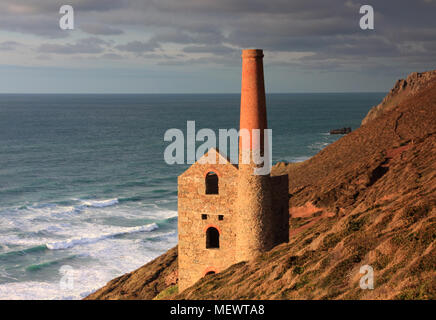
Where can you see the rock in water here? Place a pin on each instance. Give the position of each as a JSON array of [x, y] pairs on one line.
[[340, 131]]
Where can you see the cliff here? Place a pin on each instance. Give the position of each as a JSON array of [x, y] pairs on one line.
[[404, 88], [367, 199]]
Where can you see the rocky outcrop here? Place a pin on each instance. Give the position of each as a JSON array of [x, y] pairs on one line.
[[404, 88], [341, 131]]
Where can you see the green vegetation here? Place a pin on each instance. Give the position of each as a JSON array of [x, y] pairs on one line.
[[331, 240], [382, 261], [338, 275], [424, 291], [355, 225], [298, 270], [167, 293]]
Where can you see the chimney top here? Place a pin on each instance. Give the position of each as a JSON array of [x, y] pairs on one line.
[[252, 53]]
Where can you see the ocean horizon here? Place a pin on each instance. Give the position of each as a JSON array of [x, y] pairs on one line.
[[83, 181]]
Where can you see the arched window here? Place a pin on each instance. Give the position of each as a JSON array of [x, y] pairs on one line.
[[212, 238], [211, 183]]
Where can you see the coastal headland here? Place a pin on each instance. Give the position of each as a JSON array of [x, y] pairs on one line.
[[366, 200]]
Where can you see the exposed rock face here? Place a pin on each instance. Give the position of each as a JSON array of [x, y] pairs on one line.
[[403, 89], [369, 198]]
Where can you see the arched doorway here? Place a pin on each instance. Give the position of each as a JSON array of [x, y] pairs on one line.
[[212, 238], [210, 271]]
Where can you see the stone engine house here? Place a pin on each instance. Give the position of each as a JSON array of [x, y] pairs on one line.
[[227, 214]]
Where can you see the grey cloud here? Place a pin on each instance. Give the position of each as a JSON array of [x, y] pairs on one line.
[[100, 29], [215, 60], [28, 7], [174, 36], [111, 56], [43, 57], [309, 7], [83, 46], [404, 34], [100, 5], [215, 49], [158, 56], [202, 36], [138, 46], [40, 25], [9, 45], [41, 17]]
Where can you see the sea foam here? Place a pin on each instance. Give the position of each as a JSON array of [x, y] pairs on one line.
[[100, 203], [59, 245]]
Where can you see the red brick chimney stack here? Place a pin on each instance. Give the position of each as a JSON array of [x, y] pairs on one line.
[[254, 233], [253, 105]]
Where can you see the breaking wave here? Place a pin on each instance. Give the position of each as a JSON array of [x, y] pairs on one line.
[[100, 203], [39, 266], [22, 252], [66, 244]]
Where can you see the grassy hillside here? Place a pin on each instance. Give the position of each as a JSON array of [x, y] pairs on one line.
[[367, 199]]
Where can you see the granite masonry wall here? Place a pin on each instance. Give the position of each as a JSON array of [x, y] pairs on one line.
[[195, 260], [280, 209], [248, 224]]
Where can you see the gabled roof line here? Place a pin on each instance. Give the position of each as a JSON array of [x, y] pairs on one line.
[[208, 164]]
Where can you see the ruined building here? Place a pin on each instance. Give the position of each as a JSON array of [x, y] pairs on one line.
[[226, 213]]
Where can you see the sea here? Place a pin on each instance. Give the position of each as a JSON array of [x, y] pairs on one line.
[[85, 192]]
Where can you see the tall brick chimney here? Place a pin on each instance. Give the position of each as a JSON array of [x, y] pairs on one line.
[[253, 228], [241, 212], [253, 105]]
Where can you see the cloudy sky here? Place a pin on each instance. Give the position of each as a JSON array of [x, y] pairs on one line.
[[193, 46]]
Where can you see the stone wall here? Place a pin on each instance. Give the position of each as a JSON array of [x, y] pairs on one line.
[[253, 230], [194, 259], [280, 209], [250, 212]]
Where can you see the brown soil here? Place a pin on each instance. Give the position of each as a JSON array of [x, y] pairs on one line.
[[368, 198]]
